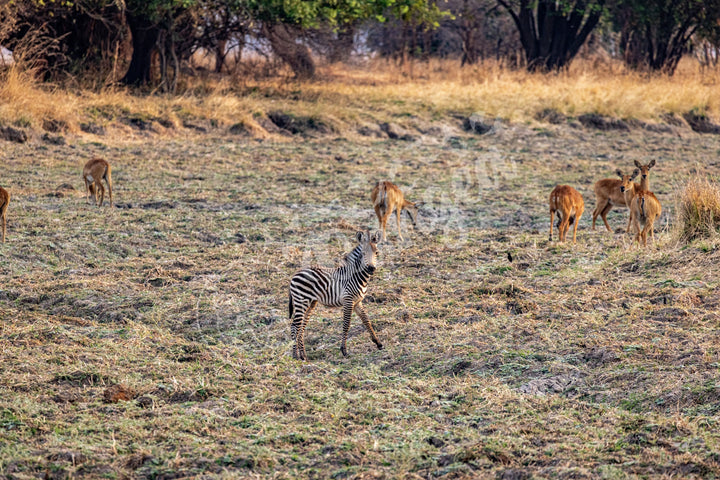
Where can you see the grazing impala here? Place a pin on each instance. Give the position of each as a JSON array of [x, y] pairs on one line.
[[94, 172], [569, 205], [4, 201], [645, 208], [387, 197], [608, 194]]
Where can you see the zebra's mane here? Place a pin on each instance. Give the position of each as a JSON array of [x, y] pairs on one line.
[[345, 262]]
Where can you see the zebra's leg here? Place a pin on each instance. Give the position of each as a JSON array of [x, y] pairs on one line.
[[366, 321], [301, 333], [347, 313], [297, 316]]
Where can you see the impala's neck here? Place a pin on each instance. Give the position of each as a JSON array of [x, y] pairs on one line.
[[644, 183]]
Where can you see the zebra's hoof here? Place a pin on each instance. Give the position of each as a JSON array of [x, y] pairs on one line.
[[380, 346], [343, 350]]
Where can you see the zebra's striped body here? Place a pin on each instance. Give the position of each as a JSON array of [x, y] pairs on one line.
[[344, 286]]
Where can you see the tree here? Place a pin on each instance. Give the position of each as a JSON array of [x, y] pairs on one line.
[[63, 36], [655, 34], [552, 31], [148, 20]]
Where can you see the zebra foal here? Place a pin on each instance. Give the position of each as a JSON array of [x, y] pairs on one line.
[[344, 286]]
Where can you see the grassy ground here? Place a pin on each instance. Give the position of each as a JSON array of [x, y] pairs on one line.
[[585, 361]]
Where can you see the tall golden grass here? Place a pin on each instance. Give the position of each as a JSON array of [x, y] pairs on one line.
[[699, 209], [382, 90]]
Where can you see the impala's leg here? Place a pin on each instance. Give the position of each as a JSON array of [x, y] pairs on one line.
[[630, 219], [101, 191], [577, 220], [108, 180], [386, 216], [398, 211], [366, 321], [87, 189], [601, 202], [552, 219], [564, 226], [604, 213], [379, 212], [347, 313], [652, 231], [3, 213], [637, 229]]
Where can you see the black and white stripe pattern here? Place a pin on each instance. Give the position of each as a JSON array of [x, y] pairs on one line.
[[344, 286]]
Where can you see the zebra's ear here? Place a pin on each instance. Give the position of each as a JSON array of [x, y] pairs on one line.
[[359, 236], [375, 238]]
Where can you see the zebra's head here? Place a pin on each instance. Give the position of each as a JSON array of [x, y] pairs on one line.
[[368, 249]]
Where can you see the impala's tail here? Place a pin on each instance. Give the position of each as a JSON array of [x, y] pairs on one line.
[[381, 199], [642, 207]]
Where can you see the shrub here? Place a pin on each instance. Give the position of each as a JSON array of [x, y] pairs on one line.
[[699, 209]]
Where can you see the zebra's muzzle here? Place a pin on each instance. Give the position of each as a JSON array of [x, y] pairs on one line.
[[371, 268]]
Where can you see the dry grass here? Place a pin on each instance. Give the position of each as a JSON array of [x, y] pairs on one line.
[[699, 209], [586, 361], [351, 96]]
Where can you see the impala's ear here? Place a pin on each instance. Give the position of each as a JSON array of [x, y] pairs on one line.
[[376, 237], [359, 236], [637, 164], [652, 163], [635, 173], [618, 172]]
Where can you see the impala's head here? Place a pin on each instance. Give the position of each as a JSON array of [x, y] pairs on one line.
[[412, 211], [627, 179], [368, 243], [645, 169]]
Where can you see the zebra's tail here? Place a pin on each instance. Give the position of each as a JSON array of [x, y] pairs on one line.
[[290, 308]]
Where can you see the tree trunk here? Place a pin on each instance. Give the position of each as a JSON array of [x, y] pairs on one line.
[[296, 55], [550, 35], [220, 54], [341, 49], [144, 39]]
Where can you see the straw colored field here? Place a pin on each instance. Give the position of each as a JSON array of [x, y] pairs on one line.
[[586, 361], [348, 98]]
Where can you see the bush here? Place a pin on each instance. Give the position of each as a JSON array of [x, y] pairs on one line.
[[699, 209]]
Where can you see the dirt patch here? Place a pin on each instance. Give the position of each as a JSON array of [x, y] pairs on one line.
[[700, 122], [13, 134], [118, 393], [477, 123], [592, 120], [299, 124], [79, 379], [565, 384], [551, 115]]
